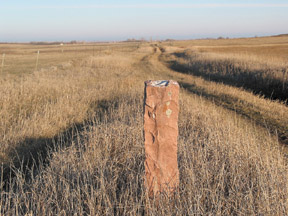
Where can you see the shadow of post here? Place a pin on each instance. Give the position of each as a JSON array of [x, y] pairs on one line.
[[31, 151]]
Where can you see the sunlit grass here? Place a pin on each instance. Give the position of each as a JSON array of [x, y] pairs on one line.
[[87, 109]]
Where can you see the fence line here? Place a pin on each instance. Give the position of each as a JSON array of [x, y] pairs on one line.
[[2, 65], [36, 68]]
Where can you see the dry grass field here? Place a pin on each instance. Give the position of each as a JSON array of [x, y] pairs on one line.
[[256, 64], [71, 132]]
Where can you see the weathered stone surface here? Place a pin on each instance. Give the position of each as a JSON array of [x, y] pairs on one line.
[[161, 131]]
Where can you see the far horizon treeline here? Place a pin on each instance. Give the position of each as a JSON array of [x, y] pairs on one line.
[[142, 39]]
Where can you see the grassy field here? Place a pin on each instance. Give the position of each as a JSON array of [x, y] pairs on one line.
[[72, 131], [256, 64]]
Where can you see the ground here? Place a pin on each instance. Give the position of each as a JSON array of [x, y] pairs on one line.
[[72, 127]]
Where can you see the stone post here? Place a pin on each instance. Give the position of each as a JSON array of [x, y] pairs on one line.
[[161, 106]]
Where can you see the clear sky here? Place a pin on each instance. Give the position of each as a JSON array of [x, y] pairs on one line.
[[102, 20]]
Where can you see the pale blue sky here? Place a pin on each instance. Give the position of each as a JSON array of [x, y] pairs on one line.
[[99, 20]]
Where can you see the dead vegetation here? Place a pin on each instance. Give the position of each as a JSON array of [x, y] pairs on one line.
[[269, 79], [90, 115]]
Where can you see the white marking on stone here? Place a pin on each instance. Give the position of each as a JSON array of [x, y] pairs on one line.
[[168, 112], [159, 83]]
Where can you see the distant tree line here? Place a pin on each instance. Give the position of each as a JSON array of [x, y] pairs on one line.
[[55, 42]]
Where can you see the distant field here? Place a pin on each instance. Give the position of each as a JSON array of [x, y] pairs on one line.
[[71, 136], [256, 64], [21, 58], [271, 49]]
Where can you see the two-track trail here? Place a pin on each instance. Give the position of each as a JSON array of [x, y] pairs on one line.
[[267, 114], [90, 113]]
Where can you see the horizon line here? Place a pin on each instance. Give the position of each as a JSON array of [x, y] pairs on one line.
[[138, 39], [107, 6]]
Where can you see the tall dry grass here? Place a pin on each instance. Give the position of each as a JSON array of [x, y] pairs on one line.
[[91, 114], [257, 64], [267, 113], [40, 105], [267, 78], [226, 167]]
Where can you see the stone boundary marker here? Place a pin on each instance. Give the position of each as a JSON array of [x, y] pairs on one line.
[[161, 108]]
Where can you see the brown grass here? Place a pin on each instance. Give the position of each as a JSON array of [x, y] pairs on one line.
[[42, 104], [257, 64], [255, 74], [90, 114]]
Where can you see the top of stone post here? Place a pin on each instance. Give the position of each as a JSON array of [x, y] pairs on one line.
[[160, 83]]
